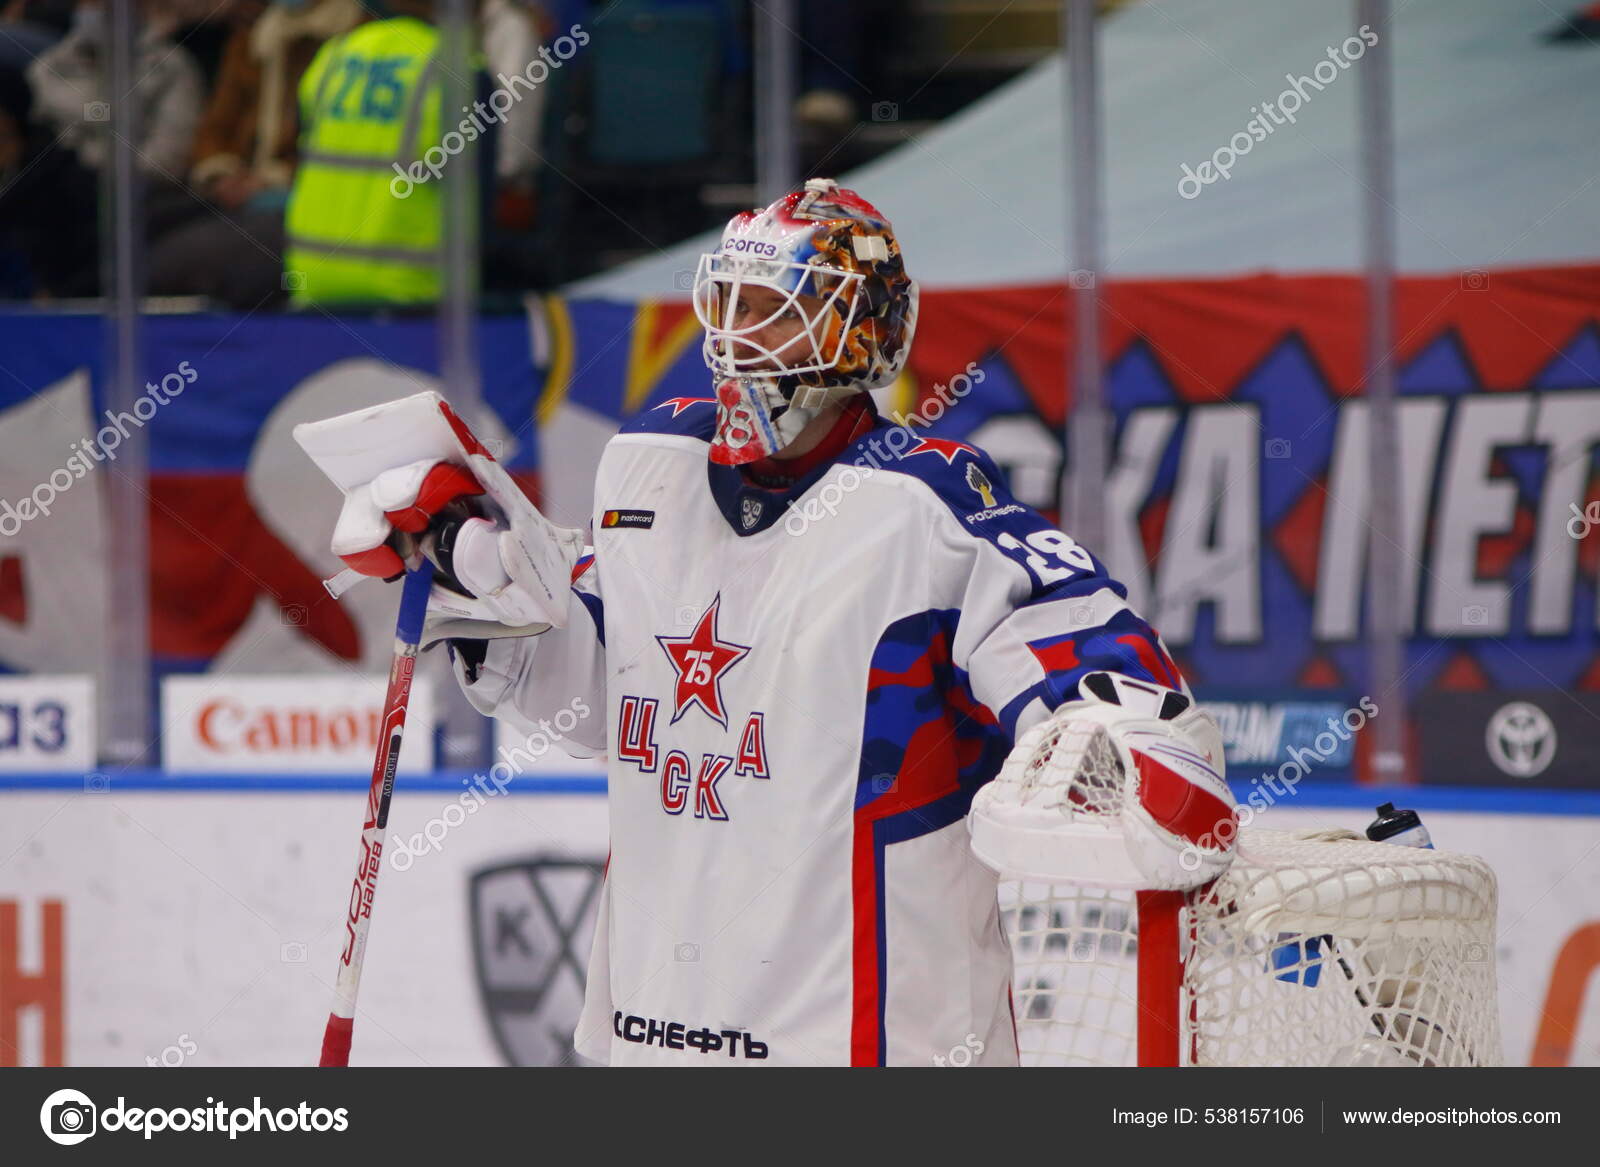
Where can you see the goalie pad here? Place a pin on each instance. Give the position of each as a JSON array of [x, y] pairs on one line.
[[400, 465], [1123, 789]]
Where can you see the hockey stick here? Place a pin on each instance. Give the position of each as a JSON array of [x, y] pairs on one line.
[[375, 827]]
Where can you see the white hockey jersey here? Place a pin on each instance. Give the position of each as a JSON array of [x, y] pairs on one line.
[[802, 690]]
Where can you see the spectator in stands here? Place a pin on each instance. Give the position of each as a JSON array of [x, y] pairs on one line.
[[69, 90], [533, 178], [365, 219], [512, 33], [203, 28], [246, 141], [230, 240], [843, 68], [29, 27], [48, 237]]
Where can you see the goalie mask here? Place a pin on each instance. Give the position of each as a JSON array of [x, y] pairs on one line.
[[803, 303]]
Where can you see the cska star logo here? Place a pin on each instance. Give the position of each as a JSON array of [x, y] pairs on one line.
[[701, 659], [944, 447], [679, 404]]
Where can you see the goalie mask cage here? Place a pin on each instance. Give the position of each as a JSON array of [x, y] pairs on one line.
[[1313, 949]]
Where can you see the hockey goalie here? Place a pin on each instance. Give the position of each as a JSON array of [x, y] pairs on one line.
[[808, 641]]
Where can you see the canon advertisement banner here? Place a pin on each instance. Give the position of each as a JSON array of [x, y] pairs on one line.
[[295, 725]]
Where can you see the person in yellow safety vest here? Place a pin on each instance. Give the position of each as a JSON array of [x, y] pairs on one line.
[[359, 229]]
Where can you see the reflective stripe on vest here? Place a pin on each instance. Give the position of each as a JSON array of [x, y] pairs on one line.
[[379, 254]]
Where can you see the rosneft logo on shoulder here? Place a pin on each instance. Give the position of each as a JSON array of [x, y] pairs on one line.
[[980, 484], [643, 520]]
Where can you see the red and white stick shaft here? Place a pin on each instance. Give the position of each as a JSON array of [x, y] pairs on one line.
[[375, 826]]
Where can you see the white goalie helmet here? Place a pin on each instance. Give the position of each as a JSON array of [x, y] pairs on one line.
[[832, 260]]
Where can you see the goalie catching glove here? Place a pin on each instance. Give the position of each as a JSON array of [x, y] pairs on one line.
[[1122, 789]]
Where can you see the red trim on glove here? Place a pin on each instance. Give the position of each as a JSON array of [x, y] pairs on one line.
[[383, 562], [469, 440], [1180, 806], [444, 483]]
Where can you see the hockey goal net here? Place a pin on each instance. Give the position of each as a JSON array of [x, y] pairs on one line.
[[1314, 948]]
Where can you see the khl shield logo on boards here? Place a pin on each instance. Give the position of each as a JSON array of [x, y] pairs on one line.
[[532, 923]]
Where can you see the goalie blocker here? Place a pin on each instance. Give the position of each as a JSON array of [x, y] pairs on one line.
[[414, 475]]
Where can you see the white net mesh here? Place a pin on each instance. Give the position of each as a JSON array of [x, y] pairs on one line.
[[1073, 983], [1310, 950], [1076, 763]]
